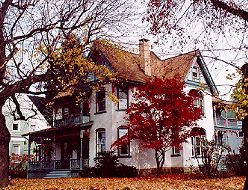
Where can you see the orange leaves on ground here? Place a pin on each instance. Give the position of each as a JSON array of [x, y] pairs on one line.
[[142, 183]]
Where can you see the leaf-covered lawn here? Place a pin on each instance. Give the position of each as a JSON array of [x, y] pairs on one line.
[[145, 183]]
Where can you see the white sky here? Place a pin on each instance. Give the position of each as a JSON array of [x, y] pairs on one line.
[[219, 48]]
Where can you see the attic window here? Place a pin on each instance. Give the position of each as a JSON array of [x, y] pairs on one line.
[[15, 127], [195, 73]]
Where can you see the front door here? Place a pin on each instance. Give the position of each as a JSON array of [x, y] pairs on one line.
[[65, 154]]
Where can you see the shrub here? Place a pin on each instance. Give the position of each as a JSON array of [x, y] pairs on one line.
[[236, 163], [126, 171], [211, 156], [107, 165], [18, 166]]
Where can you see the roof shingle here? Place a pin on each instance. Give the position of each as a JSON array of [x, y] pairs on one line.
[[127, 64]]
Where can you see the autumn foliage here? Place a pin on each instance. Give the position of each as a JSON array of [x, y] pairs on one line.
[[174, 182], [161, 116]]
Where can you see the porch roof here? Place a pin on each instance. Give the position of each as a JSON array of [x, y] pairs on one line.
[[58, 130]]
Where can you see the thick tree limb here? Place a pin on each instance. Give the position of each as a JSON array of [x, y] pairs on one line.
[[231, 9]]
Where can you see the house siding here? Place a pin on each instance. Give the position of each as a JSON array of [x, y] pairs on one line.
[[35, 123]]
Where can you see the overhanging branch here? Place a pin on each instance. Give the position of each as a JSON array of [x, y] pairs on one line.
[[230, 9]]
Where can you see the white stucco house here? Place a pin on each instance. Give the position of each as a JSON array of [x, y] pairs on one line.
[[81, 131], [31, 106]]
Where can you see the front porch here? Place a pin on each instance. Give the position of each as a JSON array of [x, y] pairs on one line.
[[56, 168], [74, 164], [59, 151]]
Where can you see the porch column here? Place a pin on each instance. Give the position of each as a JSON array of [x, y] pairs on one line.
[[29, 146], [54, 153], [81, 149]]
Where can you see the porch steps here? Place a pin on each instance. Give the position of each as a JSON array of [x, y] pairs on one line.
[[58, 174]]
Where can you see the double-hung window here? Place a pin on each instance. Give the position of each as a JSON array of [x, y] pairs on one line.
[[197, 141], [100, 101], [199, 100], [195, 73], [122, 95], [175, 151], [16, 149], [124, 148], [100, 141]]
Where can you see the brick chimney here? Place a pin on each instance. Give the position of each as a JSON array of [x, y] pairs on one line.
[[144, 53]]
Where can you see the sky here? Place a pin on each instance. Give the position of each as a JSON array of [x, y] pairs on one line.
[[228, 46]]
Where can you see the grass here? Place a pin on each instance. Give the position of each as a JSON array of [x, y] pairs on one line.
[[170, 182]]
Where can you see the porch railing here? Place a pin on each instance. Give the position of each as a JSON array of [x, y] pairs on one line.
[[72, 164], [76, 119], [228, 122]]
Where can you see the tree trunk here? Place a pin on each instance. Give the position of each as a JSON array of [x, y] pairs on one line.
[[160, 158], [4, 151], [245, 131], [244, 70]]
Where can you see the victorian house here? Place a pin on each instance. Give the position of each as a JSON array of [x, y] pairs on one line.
[[82, 130]]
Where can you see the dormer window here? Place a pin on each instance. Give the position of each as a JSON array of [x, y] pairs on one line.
[[195, 73]]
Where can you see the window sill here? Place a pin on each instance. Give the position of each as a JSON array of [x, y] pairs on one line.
[[120, 109], [100, 112], [176, 155], [124, 156], [197, 157]]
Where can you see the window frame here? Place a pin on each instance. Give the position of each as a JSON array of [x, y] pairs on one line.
[[58, 113], [195, 70], [103, 101], [199, 101], [100, 147], [127, 145], [18, 148], [175, 151], [195, 146], [122, 89], [219, 138], [241, 134], [15, 124]]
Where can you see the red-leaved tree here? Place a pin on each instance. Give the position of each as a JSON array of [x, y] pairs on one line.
[[160, 117]]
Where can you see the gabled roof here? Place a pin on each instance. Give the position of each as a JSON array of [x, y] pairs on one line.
[[169, 68], [40, 103], [125, 64]]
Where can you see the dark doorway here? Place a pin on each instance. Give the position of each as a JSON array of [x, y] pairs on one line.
[[66, 151]]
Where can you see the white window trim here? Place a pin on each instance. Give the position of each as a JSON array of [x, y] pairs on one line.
[[18, 148], [128, 144], [102, 101], [122, 90], [174, 151], [195, 69], [103, 143], [194, 146], [18, 126]]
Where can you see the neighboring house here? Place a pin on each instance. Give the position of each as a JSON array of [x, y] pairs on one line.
[[228, 130], [32, 107], [83, 130]]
